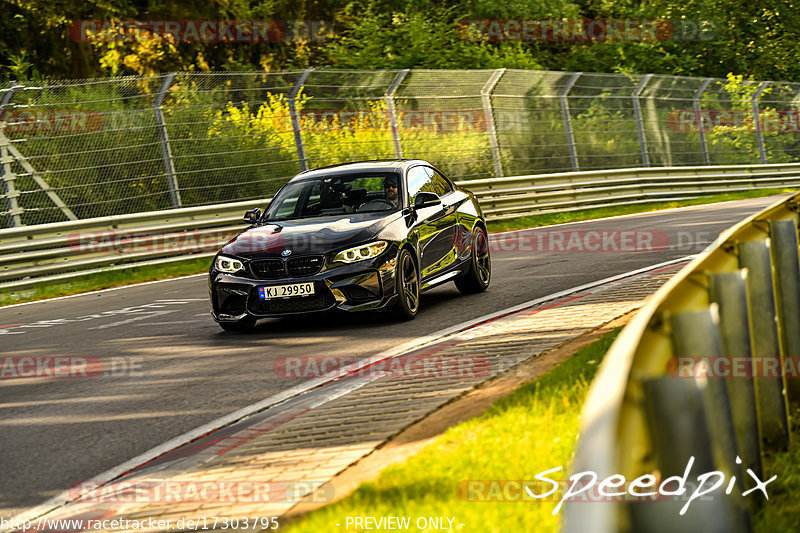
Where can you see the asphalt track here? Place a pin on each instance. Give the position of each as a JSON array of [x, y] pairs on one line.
[[167, 368]]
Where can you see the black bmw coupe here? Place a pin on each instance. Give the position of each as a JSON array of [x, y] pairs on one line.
[[353, 237]]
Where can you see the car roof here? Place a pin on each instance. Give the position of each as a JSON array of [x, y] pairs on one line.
[[377, 165]]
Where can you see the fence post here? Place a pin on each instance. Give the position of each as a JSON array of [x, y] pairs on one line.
[[783, 236], [390, 108], [772, 407], [762, 153], [573, 155], [637, 112], [700, 129], [298, 136], [7, 176], [166, 152], [486, 97]]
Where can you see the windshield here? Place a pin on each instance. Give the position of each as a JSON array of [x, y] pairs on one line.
[[336, 195]]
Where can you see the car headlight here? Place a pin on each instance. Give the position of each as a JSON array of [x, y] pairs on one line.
[[360, 253], [226, 264]]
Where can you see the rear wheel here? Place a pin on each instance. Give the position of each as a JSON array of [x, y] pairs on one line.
[[407, 284], [245, 324], [477, 278]]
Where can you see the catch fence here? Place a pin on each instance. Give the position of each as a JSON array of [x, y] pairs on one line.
[[94, 148]]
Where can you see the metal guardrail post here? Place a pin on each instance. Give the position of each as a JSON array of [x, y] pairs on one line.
[[783, 236], [166, 152], [486, 97], [700, 128], [637, 112], [390, 108], [7, 176], [729, 291], [678, 423], [772, 406], [298, 136], [573, 155], [762, 153], [696, 334]]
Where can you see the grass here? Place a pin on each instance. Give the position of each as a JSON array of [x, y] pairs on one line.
[[781, 514], [195, 266], [535, 221], [532, 430], [105, 280]]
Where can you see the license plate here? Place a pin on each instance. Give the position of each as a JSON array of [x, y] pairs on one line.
[[286, 291]]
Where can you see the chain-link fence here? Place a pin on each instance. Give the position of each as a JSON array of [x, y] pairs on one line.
[[80, 149]]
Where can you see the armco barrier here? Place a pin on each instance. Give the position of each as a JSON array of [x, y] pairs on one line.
[[705, 370], [31, 255], [59, 252]]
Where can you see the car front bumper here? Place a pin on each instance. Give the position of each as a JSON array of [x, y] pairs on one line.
[[355, 287]]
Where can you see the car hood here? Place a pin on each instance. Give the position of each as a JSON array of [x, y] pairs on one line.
[[309, 236]]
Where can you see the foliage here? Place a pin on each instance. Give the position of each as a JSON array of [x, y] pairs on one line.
[[737, 142], [347, 136], [706, 37]]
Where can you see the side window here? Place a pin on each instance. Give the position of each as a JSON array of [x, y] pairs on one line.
[[441, 184], [419, 180]]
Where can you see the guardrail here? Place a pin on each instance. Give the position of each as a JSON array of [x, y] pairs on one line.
[[65, 251], [700, 372], [69, 250], [503, 198]]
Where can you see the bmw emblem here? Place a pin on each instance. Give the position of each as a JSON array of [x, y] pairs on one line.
[[286, 253]]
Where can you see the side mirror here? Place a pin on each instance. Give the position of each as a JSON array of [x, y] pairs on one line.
[[252, 216], [426, 199]]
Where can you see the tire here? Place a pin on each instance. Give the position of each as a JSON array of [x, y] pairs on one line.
[[245, 324], [407, 287], [477, 278]]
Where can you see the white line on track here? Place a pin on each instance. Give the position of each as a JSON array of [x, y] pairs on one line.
[[142, 284], [108, 475]]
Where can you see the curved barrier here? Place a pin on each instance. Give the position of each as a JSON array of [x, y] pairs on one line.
[[63, 251], [699, 383]]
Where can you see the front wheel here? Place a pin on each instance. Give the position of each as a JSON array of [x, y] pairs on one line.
[[407, 284], [477, 278], [245, 324]]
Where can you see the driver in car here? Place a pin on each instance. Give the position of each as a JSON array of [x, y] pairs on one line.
[[390, 189]]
